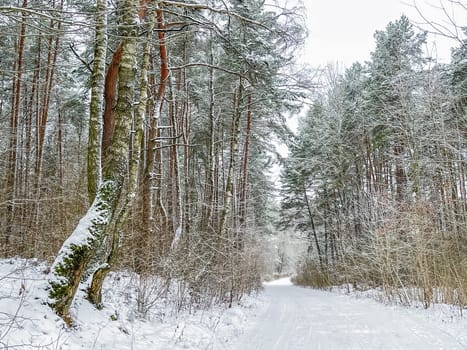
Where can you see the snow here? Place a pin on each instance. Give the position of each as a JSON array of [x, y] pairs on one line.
[[82, 233], [280, 282], [302, 318], [27, 322], [283, 317]]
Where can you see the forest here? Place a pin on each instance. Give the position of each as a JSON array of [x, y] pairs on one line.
[[376, 176], [139, 135], [135, 136]]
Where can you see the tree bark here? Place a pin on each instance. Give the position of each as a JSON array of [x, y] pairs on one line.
[[229, 185], [208, 207], [97, 97], [52, 53], [152, 177], [78, 250], [14, 118], [110, 97], [110, 88], [313, 230], [246, 154], [95, 290]]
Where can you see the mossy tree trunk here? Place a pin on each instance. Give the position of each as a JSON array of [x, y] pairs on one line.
[[95, 289], [78, 250]]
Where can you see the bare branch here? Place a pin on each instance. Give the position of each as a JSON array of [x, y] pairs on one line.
[[207, 65], [448, 30], [86, 64], [216, 10]]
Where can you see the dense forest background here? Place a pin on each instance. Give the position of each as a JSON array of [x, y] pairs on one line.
[[376, 177], [160, 117], [138, 135]]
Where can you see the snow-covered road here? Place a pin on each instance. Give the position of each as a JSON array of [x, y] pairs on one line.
[[284, 317], [306, 319]]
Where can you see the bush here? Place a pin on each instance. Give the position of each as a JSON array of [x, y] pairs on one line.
[[311, 274]]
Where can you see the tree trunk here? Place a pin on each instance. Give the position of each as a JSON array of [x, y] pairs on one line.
[[60, 146], [52, 54], [110, 98], [175, 198], [229, 185], [208, 207], [399, 173], [313, 230], [110, 86], [95, 290], [97, 96], [246, 154], [152, 177], [77, 251], [14, 118]]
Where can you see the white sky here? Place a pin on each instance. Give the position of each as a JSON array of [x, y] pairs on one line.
[[342, 30]]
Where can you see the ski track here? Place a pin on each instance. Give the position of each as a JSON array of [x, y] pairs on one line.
[[306, 319]]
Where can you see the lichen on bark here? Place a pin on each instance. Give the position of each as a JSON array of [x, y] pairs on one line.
[[80, 248]]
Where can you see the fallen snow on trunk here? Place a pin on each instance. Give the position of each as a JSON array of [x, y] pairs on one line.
[[85, 231], [307, 319]]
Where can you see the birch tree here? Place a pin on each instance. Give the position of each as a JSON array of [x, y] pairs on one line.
[[78, 250], [96, 103]]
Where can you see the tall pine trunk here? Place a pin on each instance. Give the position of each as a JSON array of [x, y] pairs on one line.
[[14, 119]]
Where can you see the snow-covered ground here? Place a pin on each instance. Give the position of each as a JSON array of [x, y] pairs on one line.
[[306, 319], [26, 321], [284, 317]]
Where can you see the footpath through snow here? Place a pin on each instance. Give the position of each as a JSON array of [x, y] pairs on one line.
[[298, 318], [284, 317]]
